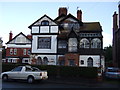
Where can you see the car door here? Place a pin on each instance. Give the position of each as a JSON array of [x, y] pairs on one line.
[[15, 73]]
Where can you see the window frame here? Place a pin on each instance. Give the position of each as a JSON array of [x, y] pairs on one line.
[[24, 52], [45, 23], [44, 44], [11, 51]]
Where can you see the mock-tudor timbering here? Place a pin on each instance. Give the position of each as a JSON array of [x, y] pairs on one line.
[[66, 40], [18, 49]]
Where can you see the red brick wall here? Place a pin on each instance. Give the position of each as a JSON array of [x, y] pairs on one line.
[[72, 56], [19, 52]]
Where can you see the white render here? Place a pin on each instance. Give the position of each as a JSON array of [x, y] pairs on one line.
[[45, 18], [44, 29], [53, 44], [20, 39], [19, 46], [54, 29], [28, 59], [35, 29], [14, 60], [51, 58], [96, 60]]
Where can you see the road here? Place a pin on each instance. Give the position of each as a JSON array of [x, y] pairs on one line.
[[48, 84]]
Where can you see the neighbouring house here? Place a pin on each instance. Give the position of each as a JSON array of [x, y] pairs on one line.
[[66, 40], [1, 45], [18, 48], [116, 38]]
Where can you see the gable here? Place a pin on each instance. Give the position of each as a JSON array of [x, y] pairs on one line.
[[70, 19], [43, 18], [19, 39]]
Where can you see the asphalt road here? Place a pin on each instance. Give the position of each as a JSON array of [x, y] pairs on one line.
[[45, 84], [50, 84]]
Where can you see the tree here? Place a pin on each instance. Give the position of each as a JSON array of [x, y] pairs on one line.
[[3, 52], [108, 55]]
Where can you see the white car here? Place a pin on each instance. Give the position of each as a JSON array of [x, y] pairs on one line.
[[25, 73]]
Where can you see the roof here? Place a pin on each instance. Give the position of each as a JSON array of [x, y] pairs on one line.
[[40, 19], [91, 26], [17, 36], [62, 18]]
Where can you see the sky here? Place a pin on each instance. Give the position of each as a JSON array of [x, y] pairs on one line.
[[17, 16]]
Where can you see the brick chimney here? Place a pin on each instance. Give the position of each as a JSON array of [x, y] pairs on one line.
[[10, 35], [62, 10], [115, 20], [119, 13], [79, 15]]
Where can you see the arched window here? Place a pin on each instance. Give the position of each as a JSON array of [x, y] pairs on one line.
[[96, 43], [45, 61], [39, 61], [84, 43], [72, 44], [90, 62], [45, 23]]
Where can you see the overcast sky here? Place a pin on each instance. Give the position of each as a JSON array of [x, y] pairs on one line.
[[17, 16]]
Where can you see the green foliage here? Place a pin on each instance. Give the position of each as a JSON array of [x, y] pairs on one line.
[[61, 71], [108, 54]]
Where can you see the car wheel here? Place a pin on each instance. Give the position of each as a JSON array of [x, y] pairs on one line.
[[30, 79], [5, 77]]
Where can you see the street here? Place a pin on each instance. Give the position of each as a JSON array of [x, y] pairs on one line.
[[49, 84]]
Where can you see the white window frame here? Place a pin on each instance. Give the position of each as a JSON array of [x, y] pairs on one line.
[[24, 51], [11, 51], [15, 51]]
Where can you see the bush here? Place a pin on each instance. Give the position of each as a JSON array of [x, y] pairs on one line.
[[62, 71]]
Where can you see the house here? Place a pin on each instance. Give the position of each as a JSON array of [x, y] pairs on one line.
[[116, 38], [18, 48], [1, 45], [66, 40]]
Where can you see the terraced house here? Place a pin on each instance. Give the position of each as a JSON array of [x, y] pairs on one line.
[[66, 40]]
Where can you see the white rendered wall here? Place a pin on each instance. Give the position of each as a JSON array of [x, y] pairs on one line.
[[44, 29], [19, 46], [54, 29], [51, 58], [35, 29], [96, 60], [45, 18], [53, 44]]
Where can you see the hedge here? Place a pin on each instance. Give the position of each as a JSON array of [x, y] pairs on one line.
[[61, 71]]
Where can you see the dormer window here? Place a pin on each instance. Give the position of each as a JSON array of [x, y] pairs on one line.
[[45, 23]]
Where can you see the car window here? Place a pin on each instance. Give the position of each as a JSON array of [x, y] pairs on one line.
[[17, 69], [28, 69], [35, 69], [112, 70]]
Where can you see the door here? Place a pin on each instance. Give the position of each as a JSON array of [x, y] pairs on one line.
[[90, 62]]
